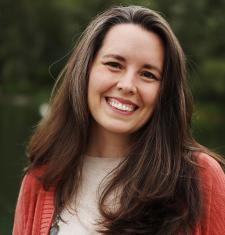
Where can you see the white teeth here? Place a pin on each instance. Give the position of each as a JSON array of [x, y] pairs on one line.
[[120, 106]]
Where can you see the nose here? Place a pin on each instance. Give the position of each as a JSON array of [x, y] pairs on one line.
[[126, 83]]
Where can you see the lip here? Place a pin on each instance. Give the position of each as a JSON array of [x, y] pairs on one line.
[[123, 101]]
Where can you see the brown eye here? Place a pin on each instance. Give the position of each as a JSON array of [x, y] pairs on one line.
[[114, 65], [149, 75]]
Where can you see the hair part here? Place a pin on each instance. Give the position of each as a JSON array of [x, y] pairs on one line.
[[159, 175]]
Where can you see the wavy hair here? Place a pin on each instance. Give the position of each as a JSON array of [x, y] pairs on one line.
[[159, 180]]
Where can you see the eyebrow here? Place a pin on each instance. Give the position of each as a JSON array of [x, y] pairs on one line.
[[121, 58], [118, 57]]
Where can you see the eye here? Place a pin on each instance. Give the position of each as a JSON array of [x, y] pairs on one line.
[[149, 75], [114, 65]]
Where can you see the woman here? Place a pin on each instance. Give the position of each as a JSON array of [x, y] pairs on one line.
[[114, 154]]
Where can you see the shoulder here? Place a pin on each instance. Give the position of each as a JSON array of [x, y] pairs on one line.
[[32, 188], [211, 175], [210, 169], [212, 184], [30, 197], [31, 181], [206, 160]]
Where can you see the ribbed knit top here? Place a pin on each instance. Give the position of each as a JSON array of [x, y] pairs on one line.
[[95, 169]]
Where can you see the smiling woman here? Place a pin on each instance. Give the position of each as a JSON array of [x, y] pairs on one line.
[[124, 82], [115, 154]]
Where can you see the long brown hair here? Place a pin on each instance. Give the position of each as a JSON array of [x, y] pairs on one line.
[[159, 175]]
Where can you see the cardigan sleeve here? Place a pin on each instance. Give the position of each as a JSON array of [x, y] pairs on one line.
[[25, 207], [19, 220], [213, 185]]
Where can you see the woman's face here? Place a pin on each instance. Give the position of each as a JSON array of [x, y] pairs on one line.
[[125, 78]]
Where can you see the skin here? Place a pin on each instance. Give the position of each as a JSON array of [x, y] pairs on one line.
[[127, 70]]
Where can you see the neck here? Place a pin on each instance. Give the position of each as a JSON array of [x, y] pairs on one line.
[[103, 143]]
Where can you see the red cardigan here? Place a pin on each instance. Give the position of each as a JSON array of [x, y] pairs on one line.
[[35, 206]]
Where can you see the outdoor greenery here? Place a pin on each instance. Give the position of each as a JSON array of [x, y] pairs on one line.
[[37, 38]]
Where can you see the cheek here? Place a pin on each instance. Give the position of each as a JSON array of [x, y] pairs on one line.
[[150, 95], [94, 82], [99, 82]]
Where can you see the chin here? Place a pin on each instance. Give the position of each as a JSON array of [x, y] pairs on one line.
[[119, 130]]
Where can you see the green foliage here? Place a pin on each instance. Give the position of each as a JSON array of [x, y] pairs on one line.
[[208, 125], [210, 82]]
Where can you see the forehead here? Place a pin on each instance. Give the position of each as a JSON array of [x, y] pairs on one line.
[[133, 41]]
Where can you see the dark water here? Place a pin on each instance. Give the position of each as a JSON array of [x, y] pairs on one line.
[[17, 117]]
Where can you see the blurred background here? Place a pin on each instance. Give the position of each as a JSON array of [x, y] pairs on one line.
[[36, 38]]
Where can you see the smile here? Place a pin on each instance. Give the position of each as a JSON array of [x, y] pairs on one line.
[[120, 105]]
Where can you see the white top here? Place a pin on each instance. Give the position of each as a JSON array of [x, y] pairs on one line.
[[83, 223]]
